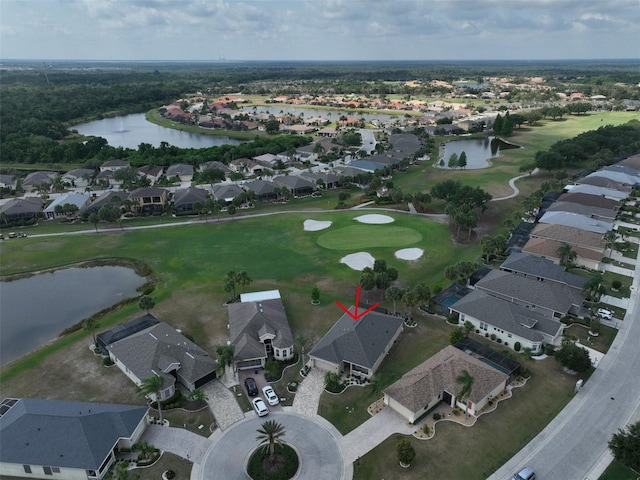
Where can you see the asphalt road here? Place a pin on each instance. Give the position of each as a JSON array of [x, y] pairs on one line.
[[574, 445]]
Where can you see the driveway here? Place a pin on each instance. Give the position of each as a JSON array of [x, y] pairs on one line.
[[260, 382], [307, 397], [223, 404], [316, 442]]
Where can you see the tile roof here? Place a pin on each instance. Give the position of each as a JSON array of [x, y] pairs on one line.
[[438, 374], [549, 248], [570, 235], [63, 433], [360, 342]]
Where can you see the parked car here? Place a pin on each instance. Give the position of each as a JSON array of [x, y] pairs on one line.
[[604, 313], [525, 474], [12, 235], [270, 395], [252, 387], [259, 406], [22, 235]]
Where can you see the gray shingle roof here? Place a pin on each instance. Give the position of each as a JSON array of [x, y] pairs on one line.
[[260, 187], [190, 195], [437, 374], [570, 235], [21, 206], [226, 192], [249, 320], [65, 434], [155, 348], [541, 267], [593, 190], [507, 316], [360, 342], [558, 298], [179, 169], [580, 209], [590, 200]]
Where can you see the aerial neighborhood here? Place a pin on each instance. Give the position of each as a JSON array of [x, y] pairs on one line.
[[356, 275]]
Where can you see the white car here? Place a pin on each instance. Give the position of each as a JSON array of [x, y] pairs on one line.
[[259, 406], [604, 313], [270, 395]]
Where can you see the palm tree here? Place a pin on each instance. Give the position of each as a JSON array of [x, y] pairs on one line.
[[394, 294], [94, 218], [410, 299], [466, 381], [270, 435], [225, 356], [230, 283], [90, 324], [423, 292], [243, 279], [566, 254], [367, 282], [152, 386]]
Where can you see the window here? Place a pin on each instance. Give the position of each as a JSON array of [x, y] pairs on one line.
[[47, 470], [27, 468], [509, 335], [483, 326], [55, 469]]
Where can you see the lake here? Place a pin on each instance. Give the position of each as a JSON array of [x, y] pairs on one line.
[[36, 309], [129, 131], [478, 150]]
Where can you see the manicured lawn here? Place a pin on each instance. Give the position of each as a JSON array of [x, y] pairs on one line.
[[617, 471], [181, 418], [368, 236], [609, 277], [600, 343]]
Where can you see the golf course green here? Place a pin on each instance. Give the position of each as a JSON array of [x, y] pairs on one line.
[[368, 236]]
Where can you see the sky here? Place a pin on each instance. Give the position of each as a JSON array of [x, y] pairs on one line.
[[319, 29]]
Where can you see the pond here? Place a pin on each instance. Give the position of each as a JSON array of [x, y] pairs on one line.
[[129, 131], [478, 150], [36, 309]]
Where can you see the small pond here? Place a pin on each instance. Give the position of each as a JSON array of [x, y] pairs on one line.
[[36, 309], [478, 150]]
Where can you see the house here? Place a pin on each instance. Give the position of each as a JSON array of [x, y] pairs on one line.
[[259, 329], [65, 439], [183, 171], [575, 220], [226, 193], [113, 165], [151, 173], [367, 166], [434, 381], [8, 181], [245, 165], [590, 200], [298, 129], [106, 178], [507, 322], [214, 164], [299, 186], [329, 180], [599, 191], [267, 159], [163, 351], [541, 269], [109, 198], [123, 330], [265, 191], [79, 200], [149, 199], [356, 347], [79, 177], [21, 209], [35, 179], [548, 249], [186, 200], [604, 214], [550, 299]]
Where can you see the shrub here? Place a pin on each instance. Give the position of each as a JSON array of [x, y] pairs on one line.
[[453, 318], [436, 290], [456, 412], [493, 336], [456, 336], [517, 346], [406, 452], [425, 429], [499, 340], [616, 284], [486, 335], [107, 362], [437, 416]]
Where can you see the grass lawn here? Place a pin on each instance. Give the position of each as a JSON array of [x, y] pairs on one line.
[[368, 236], [494, 438], [617, 471], [625, 290], [180, 418], [600, 343]]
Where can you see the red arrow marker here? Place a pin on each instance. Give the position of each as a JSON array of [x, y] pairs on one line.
[[356, 315]]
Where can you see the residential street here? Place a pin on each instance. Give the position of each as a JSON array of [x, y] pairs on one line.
[[574, 445]]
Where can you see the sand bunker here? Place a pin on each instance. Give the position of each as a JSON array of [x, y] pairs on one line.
[[374, 218], [358, 261], [409, 253], [315, 225]]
